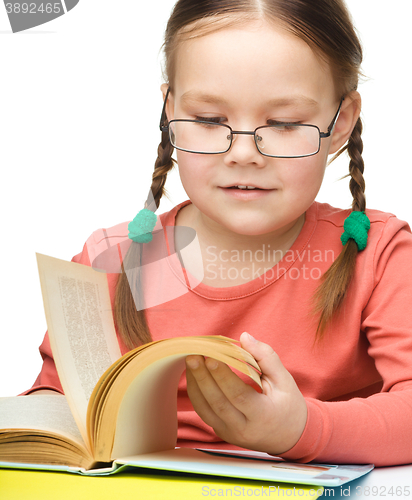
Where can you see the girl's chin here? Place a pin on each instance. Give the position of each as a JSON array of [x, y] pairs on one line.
[[252, 228], [253, 222]]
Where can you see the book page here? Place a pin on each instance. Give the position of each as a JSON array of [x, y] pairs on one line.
[[145, 422], [81, 328], [43, 413], [134, 410], [198, 462]]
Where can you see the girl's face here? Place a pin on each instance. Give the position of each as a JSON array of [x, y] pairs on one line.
[[246, 77]]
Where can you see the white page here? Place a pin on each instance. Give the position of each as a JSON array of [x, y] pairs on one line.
[[51, 413], [81, 329]]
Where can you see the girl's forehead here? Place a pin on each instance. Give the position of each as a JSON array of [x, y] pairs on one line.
[[252, 58]]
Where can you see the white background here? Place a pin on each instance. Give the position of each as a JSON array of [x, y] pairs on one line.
[[79, 111]]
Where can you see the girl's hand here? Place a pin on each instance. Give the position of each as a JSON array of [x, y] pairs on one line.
[[271, 421]]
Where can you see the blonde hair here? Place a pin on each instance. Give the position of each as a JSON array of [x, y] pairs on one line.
[[327, 27]]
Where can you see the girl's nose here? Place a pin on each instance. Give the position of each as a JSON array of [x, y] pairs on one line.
[[244, 151]]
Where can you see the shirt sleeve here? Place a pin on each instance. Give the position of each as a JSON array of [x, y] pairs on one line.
[[376, 429], [48, 377]]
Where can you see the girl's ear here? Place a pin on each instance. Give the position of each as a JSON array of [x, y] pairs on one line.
[[348, 116], [170, 101]]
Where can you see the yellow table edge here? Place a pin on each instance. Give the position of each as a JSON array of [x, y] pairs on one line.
[[18, 484]]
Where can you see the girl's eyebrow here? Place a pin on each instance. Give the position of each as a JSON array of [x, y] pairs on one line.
[[295, 100], [193, 96]]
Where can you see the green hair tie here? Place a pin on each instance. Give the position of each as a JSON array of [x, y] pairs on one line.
[[141, 227], [356, 226]]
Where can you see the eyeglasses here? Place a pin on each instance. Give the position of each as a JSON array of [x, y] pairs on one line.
[[278, 140]]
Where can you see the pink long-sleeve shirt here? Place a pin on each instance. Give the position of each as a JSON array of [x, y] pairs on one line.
[[357, 382]]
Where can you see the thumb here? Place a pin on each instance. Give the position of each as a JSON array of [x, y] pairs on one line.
[[271, 366]]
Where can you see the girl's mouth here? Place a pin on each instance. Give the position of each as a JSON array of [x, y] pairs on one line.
[[243, 192], [243, 188]]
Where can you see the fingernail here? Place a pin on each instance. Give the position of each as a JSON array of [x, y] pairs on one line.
[[212, 364], [192, 363], [251, 338]]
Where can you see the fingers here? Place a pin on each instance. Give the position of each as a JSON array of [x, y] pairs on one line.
[[278, 384], [270, 421], [273, 371], [226, 394], [199, 402]]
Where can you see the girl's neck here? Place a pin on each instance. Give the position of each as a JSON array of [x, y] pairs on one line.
[[223, 250]]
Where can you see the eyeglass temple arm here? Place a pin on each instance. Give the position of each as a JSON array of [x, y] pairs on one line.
[[333, 122], [163, 118]]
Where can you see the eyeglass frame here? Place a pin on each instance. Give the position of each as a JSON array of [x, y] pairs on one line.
[[165, 127]]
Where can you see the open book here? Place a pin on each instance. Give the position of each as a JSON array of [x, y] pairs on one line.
[[122, 410]]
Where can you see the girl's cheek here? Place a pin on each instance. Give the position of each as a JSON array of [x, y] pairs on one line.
[[301, 168], [191, 165]]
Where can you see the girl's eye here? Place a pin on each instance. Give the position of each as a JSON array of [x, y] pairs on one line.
[[283, 126], [209, 123], [212, 119]]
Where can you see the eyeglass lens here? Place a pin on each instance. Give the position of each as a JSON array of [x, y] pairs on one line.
[[283, 140]]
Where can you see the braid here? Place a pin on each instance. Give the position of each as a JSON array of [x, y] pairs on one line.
[[356, 168], [129, 311], [330, 294], [164, 163]]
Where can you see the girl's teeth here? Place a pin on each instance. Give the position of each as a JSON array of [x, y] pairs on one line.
[[246, 187]]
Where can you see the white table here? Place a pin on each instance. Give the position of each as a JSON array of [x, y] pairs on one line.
[[389, 483]]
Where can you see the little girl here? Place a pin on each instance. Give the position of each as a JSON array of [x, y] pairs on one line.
[[259, 93]]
